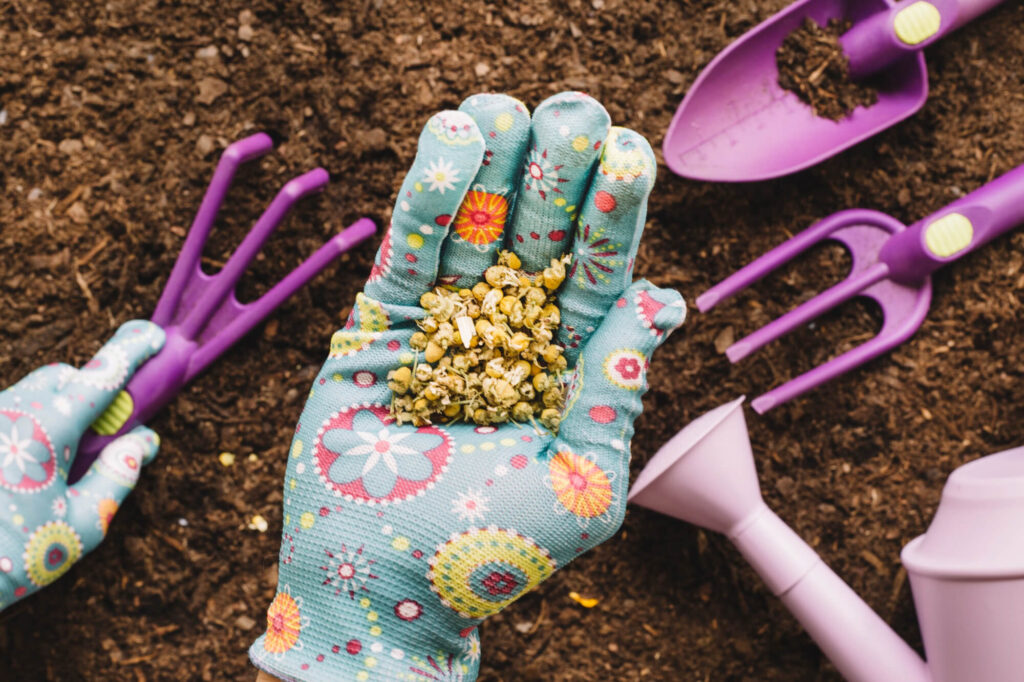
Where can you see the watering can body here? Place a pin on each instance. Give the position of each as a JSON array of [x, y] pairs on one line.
[[973, 629], [966, 572]]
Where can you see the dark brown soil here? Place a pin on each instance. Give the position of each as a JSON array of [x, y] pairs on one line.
[[812, 65], [115, 114]]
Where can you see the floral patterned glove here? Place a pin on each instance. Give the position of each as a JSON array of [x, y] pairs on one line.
[[45, 524], [398, 541]]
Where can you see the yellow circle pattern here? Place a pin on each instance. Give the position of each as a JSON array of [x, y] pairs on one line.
[[456, 567], [373, 320], [53, 549]]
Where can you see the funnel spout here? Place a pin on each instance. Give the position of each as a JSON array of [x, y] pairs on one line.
[[858, 642], [706, 475]]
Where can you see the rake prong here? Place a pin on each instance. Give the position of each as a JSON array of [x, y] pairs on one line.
[[224, 281], [200, 313], [779, 256], [234, 156], [808, 310], [254, 312]]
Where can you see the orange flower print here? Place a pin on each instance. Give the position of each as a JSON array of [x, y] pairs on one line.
[[580, 485], [481, 218], [283, 624], [106, 509]]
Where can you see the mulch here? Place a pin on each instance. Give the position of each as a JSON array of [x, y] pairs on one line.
[[115, 115], [812, 65]]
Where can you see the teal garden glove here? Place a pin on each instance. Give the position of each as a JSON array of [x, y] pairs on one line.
[[398, 541], [45, 524]]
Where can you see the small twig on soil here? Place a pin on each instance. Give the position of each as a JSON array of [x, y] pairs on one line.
[[66, 202], [135, 660], [94, 250], [175, 544], [165, 629], [816, 75], [654, 632], [94, 306], [215, 263], [540, 617], [873, 559], [897, 587]]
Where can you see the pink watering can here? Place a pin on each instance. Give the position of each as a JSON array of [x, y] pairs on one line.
[[966, 572]]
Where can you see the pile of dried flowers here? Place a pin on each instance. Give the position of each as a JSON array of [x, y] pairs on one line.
[[488, 352]]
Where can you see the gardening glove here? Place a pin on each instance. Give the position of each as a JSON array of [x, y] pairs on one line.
[[47, 525], [398, 541]]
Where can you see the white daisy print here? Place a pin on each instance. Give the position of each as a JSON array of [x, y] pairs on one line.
[[470, 505], [62, 405], [59, 507], [441, 176], [471, 648]]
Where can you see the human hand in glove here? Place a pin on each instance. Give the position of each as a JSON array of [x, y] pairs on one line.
[[399, 540], [47, 525]]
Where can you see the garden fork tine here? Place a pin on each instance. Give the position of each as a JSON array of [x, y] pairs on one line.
[[892, 264], [904, 309], [780, 255], [862, 275], [200, 313]]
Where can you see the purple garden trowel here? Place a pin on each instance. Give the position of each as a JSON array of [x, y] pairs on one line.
[[892, 264], [200, 313], [737, 124]]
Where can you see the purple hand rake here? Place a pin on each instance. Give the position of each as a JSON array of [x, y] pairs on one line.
[[892, 264], [200, 313]]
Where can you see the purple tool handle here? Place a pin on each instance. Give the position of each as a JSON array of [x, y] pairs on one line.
[[183, 357], [993, 209], [872, 44], [200, 313]]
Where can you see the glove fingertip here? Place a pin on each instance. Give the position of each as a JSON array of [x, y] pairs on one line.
[[141, 339], [150, 442], [661, 309]]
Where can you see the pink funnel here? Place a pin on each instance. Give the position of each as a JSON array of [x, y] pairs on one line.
[[967, 572]]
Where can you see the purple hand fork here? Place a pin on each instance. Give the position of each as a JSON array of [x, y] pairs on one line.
[[200, 313], [892, 264]]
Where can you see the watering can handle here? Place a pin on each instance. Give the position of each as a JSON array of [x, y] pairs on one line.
[[906, 27], [957, 229]]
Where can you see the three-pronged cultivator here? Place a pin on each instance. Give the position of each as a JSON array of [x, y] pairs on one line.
[[200, 313], [892, 264]]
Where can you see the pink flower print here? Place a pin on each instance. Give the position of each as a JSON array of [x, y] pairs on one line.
[[628, 368], [500, 583]]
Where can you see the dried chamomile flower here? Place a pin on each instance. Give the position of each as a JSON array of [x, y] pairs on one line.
[[486, 353]]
